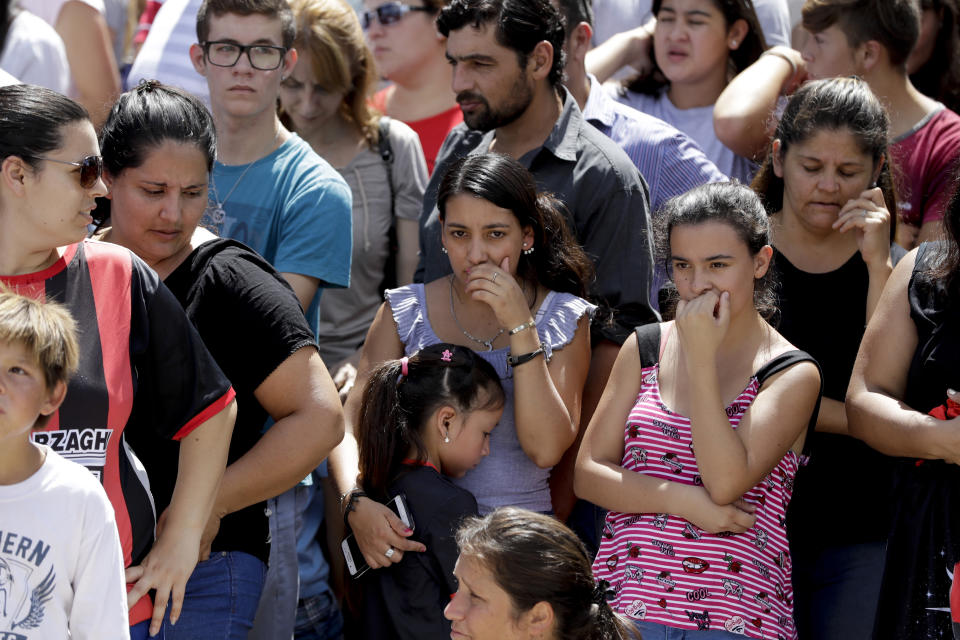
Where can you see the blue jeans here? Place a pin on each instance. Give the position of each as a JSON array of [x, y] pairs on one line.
[[319, 618], [278, 604], [652, 631], [221, 598], [836, 591]]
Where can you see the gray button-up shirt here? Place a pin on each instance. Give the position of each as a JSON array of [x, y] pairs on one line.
[[608, 209]]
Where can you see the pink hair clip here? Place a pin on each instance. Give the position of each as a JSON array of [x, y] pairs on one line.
[[403, 366], [446, 356]]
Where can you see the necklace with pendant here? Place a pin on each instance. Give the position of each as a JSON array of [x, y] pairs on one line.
[[453, 312], [218, 213]]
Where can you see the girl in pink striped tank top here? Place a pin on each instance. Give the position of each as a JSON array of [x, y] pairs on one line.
[[698, 436]]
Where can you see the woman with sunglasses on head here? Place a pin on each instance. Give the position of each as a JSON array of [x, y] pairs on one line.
[[513, 297], [325, 99], [158, 147], [143, 368], [412, 55]]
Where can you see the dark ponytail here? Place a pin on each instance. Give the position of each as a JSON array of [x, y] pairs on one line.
[[535, 558], [396, 405]]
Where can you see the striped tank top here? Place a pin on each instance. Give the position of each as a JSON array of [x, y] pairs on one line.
[[663, 569]]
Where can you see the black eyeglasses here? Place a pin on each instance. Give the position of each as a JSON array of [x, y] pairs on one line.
[[91, 168], [261, 56], [390, 13]]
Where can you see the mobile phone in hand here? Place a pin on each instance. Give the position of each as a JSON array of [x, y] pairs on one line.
[[356, 565]]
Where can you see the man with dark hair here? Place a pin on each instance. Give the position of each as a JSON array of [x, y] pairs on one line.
[[271, 191], [871, 39]]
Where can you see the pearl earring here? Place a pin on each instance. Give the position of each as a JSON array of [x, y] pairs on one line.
[[733, 43], [446, 439], [528, 251], [443, 249]]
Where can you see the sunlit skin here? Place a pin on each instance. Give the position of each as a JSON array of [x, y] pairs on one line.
[[59, 207], [491, 88], [23, 396], [400, 47], [469, 440], [692, 42], [828, 54], [712, 264], [157, 206], [241, 91], [481, 609], [310, 105], [828, 188]]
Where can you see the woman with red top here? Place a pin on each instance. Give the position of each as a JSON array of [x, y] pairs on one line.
[[412, 55], [143, 368], [699, 434]]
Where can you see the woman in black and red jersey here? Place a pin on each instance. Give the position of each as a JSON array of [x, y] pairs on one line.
[[143, 368]]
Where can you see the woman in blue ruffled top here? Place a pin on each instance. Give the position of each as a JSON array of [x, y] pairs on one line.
[[514, 297]]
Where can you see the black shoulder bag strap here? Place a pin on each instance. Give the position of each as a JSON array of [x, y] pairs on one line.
[[783, 361], [386, 154], [648, 343]]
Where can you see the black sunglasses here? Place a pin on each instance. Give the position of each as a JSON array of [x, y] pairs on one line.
[[91, 168], [390, 13]]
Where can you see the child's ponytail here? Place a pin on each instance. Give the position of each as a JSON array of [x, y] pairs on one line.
[[401, 395]]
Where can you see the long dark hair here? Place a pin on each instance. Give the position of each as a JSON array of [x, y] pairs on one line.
[[558, 262], [535, 558], [833, 104], [733, 204], [939, 77], [947, 265], [742, 57], [32, 119], [395, 407]]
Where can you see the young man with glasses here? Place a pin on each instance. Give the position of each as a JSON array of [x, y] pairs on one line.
[[269, 190]]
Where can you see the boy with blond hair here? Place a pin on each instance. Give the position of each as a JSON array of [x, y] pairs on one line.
[[61, 565]]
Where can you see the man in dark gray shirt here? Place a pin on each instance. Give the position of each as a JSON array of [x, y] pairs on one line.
[[507, 57]]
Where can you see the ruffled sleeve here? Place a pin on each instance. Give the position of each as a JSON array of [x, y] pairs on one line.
[[557, 319], [409, 312]]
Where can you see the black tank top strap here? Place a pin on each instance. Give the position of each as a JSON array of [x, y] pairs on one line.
[[648, 343], [784, 361]]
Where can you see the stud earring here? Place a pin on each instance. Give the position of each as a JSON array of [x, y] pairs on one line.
[[528, 251], [733, 43], [443, 249]]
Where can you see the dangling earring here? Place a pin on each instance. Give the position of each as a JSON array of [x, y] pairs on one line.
[[528, 251], [443, 249], [446, 439]]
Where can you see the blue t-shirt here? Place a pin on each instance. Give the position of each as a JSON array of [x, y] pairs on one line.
[[292, 208]]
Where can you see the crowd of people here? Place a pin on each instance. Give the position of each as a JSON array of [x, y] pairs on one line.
[[485, 319]]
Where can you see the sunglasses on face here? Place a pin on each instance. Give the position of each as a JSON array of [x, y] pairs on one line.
[[227, 54], [389, 13], [91, 168]]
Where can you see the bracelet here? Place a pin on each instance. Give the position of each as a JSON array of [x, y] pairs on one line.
[[351, 497], [530, 324], [516, 361], [782, 56]]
